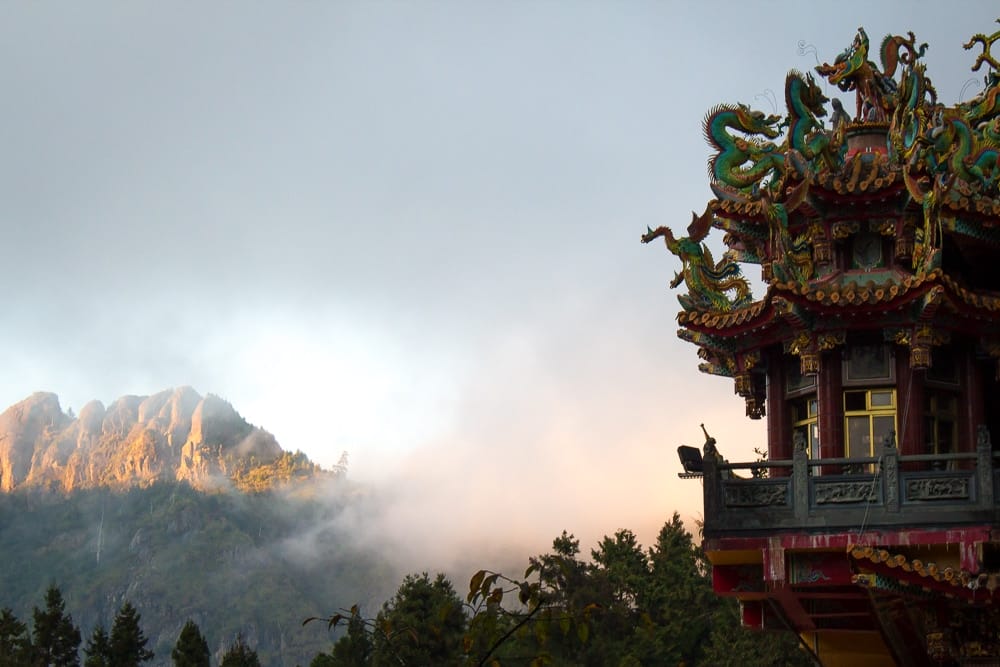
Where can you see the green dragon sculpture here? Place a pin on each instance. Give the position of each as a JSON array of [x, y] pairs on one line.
[[805, 102], [911, 117], [730, 163], [707, 281], [954, 146], [852, 70]]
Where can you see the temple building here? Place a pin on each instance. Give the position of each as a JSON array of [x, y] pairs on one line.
[[873, 355]]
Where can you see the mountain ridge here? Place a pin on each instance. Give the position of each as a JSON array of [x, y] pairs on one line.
[[172, 435]]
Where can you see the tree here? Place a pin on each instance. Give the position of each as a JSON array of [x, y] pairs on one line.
[[191, 649], [128, 643], [15, 645], [240, 655], [55, 639], [98, 649], [423, 624], [353, 649]]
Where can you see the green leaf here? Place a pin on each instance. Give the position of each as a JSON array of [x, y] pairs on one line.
[[583, 632], [488, 583], [475, 583]]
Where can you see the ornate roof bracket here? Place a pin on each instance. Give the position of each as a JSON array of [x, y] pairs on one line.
[[751, 384], [903, 245], [804, 344], [845, 229], [923, 335], [830, 340], [923, 332], [822, 247], [717, 354]]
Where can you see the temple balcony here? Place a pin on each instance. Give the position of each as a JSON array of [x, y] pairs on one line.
[[841, 495]]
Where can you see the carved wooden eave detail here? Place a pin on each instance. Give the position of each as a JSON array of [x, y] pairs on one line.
[[722, 320], [882, 568], [867, 174]]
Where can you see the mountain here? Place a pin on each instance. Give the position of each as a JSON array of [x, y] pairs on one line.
[[174, 435], [176, 504]]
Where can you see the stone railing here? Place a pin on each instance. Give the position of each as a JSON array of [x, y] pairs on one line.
[[819, 495]]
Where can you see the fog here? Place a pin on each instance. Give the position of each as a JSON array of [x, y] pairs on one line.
[[405, 231]]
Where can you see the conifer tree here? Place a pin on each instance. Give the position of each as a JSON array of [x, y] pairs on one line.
[[98, 649], [15, 645], [423, 624], [191, 649], [128, 643], [55, 639], [240, 655]]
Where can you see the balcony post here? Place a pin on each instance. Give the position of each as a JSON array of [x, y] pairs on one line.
[[984, 467], [800, 477], [712, 491], [890, 473]]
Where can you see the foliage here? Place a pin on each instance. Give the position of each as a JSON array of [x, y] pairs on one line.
[[191, 649], [423, 624], [626, 606], [128, 643], [354, 648], [233, 562], [15, 644], [239, 654], [98, 649], [55, 639], [254, 477]]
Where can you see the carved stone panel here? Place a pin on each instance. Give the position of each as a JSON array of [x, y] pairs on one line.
[[938, 488], [846, 492], [760, 494]]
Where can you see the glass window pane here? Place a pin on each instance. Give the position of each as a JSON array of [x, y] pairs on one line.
[[814, 440], [858, 437], [854, 401], [882, 399], [813, 407], [868, 362], [881, 427]]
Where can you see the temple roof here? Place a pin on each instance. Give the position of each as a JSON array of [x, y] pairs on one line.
[[889, 215]]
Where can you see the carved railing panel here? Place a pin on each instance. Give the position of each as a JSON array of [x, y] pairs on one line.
[[753, 493], [841, 492], [950, 487], [888, 490]]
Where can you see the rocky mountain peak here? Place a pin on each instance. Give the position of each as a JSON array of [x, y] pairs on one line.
[[175, 434]]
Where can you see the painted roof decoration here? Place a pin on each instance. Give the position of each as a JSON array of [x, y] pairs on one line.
[[885, 211], [891, 571]]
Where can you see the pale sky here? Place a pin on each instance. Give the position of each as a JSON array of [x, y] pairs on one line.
[[407, 230]]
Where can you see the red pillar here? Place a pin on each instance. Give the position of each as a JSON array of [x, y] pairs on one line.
[[779, 425], [910, 437], [972, 401], [831, 407]]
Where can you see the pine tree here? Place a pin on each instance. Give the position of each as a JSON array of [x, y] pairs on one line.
[[240, 655], [423, 624], [15, 646], [354, 649], [98, 649], [191, 649], [55, 639], [128, 643]]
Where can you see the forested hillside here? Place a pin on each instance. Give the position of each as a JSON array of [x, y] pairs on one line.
[[229, 561]]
